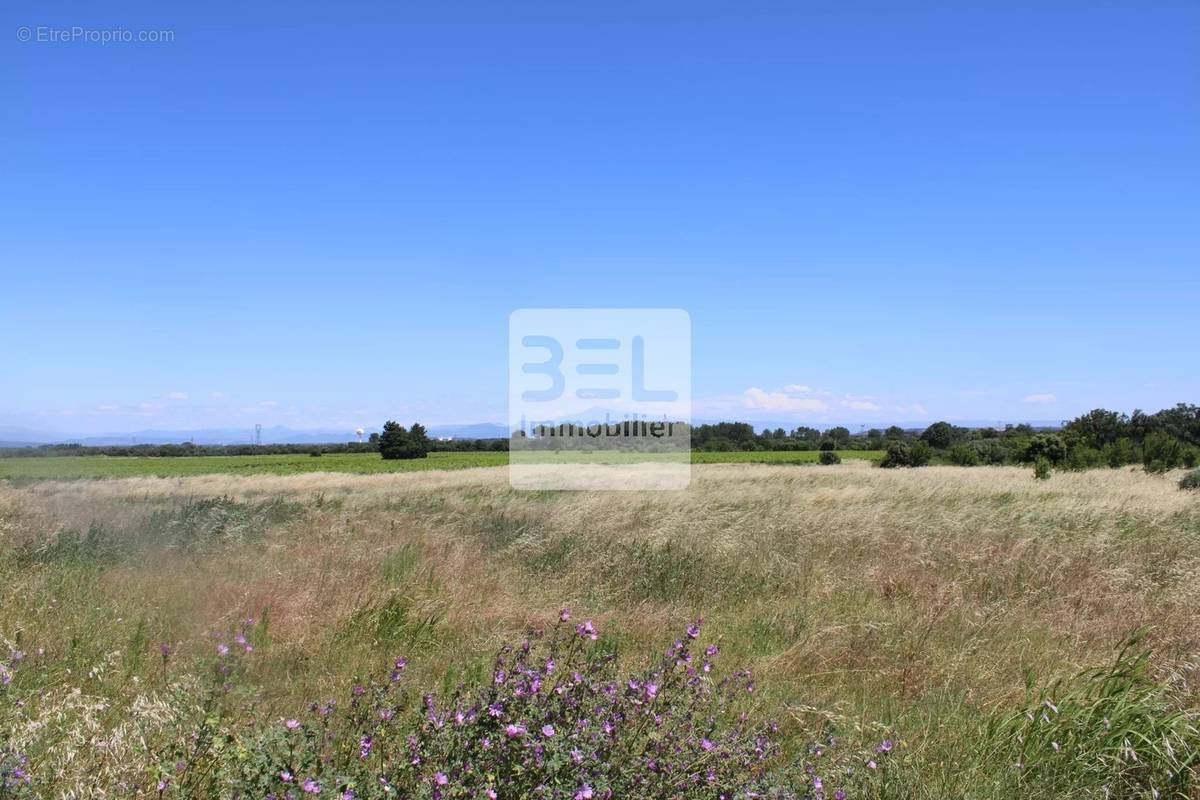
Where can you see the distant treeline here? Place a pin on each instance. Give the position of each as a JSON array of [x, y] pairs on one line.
[[190, 449], [1164, 440]]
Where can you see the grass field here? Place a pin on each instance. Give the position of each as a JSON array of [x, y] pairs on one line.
[[128, 467], [911, 605]]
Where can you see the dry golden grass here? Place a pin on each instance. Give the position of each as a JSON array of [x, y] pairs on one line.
[[843, 581], [901, 596]]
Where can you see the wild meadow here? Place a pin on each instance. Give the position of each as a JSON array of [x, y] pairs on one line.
[[772, 631], [101, 466]]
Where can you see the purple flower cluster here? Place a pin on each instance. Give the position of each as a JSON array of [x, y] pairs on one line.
[[14, 775], [553, 720]]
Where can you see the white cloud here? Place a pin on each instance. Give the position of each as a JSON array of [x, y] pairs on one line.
[[177, 395], [797, 388], [862, 404], [268, 404], [1039, 398], [108, 408], [756, 398], [216, 395]]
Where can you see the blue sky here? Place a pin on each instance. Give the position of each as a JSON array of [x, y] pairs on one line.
[[321, 216]]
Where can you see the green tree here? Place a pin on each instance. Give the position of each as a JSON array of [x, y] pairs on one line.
[[1097, 429], [418, 441], [1049, 446], [1182, 422], [394, 441], [839, 435], [942, 435], [1161, 452], [906, 454]]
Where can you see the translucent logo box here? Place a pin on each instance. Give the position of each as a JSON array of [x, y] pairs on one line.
[[599, 399]]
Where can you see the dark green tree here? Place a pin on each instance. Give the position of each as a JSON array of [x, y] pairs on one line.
[[839, 435], [1049, 446], [1097, 428], [942, 435], [418, 441], [394, 441]]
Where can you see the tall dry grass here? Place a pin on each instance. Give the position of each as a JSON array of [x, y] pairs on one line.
[[914, 599]]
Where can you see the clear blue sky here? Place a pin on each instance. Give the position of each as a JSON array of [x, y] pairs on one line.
[[322, 215]]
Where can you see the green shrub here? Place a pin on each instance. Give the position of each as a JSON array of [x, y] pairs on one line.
[[1083, 457], [828, 445], [1119, 453], [904, 454], [1190, 481], [1041, 469], [1049, 446], [830, 457], [993, 452], [964, 455], [1161, 452]]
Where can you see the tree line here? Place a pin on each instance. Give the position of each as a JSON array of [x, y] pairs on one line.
[[1160, 441]]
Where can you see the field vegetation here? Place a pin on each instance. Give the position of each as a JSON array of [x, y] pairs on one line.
[[937, 632], [94, 466]]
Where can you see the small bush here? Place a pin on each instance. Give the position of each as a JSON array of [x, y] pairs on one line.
[[828, 445], [1081, 458], [903, 454], [1049, 446], [1190, 481], [315, 453], [829, 457], [1161, 452], [1041, 468], [964, 455]]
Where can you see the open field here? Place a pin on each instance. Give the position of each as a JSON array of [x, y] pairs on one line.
[[909, 604], [63, 467]]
